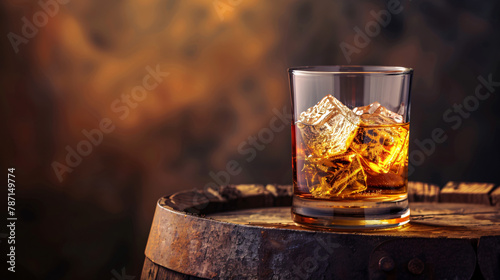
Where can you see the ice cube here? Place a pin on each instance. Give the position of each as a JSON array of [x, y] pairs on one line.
[[328, 127], [401, 161], [381, 147], [368, 109], [376, 114], [388, 115], [339, 175]]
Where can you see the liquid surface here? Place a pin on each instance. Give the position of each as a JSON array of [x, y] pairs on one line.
[[343, 154]]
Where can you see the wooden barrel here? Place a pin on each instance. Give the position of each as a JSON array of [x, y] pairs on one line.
[[246, 232]]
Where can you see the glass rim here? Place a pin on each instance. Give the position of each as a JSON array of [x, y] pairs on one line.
[[350, 70]]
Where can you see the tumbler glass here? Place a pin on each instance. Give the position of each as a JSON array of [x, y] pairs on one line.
[[350, 135]]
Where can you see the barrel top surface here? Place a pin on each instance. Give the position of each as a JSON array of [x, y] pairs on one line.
[[428, 220], [269, 207], [244, 230]]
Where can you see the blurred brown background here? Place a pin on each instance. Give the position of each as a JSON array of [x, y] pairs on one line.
[[69, 66]]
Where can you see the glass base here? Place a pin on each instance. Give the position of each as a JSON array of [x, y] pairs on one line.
[[350, 214]]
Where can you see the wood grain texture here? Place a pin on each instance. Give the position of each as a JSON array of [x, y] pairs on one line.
[[423, 192], [246, 232], [428, 220], [458, 192], [153, 271], [149, 270], [495, 197]]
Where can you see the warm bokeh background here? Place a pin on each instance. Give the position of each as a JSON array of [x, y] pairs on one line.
[[226, 61]]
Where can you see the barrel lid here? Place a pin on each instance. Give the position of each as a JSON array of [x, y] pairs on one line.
[[246, 231]]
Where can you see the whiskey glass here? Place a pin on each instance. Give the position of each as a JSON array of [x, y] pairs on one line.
[[350, 135]]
